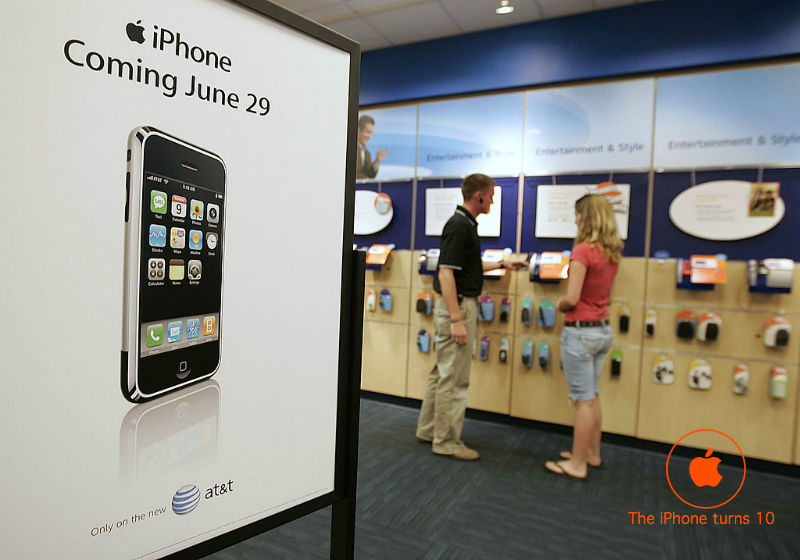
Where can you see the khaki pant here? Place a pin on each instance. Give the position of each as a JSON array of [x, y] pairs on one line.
[[441, 417]]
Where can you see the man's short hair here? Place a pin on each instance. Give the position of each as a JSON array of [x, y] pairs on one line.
[[364, 120], [475, 183]]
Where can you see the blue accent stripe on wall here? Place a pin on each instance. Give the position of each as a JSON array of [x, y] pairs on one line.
[[643, 38]]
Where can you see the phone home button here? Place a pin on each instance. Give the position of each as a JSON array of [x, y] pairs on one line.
[[183, 370]]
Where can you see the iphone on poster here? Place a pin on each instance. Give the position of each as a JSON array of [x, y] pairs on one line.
[[174, 241]]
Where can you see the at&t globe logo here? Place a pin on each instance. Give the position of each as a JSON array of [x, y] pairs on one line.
[[185, 499]]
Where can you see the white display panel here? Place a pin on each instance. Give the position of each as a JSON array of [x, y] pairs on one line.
[[441, 203], [89, 474]]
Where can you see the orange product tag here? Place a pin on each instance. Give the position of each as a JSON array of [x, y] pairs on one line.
[[553, 265], [378, 254], [709, 269]]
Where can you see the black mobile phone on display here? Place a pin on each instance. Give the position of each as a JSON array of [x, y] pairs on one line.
[[174, 241]]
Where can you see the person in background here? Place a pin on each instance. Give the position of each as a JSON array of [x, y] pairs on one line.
[[459, 280], [586, 338], [366, 167]]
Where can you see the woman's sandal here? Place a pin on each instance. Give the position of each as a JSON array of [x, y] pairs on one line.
[[555, 467], [568, 455]]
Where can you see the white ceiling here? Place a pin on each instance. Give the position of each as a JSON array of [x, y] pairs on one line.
[[384, 23]]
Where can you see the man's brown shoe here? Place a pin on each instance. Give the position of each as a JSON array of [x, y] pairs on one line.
[[466, 454]]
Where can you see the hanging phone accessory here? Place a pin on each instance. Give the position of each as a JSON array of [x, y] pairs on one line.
[[699, 374], [423, 341], [544, 355], [386, 300], [486, 308], [616, 362], [686, 324], [505, 310], [624, 318], [777, 331], [505, 349], [708, 327], [650, 321], [663, 370], [371, 300], [527, 353], [484, 348], [741, 378], [527, 311], [425, 303], [547, 314], [778, 382]]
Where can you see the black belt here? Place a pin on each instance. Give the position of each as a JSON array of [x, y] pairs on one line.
[[579, 324]]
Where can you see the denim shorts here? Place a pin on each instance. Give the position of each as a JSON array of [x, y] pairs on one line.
[[583, 351]]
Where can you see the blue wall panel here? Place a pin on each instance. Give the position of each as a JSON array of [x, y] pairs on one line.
[[508, 215], [399, 230], [780, 241], [637, 224]]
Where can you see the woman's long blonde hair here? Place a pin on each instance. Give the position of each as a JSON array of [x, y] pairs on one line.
[[598, 225]]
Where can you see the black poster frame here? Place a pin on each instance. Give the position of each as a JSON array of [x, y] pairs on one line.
[[343, 497]]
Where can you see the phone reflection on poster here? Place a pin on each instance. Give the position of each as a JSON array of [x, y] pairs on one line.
[[174, 432]]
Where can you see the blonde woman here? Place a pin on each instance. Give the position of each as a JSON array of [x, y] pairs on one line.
[[586, 338]]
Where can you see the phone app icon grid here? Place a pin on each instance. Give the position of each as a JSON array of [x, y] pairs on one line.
[[178, 206], [195, 240], [155, 335], [197, 209], [177, 238], [192, 328], [176, 269], [175, 331], [158, 235], [158, 202], [156, 269]]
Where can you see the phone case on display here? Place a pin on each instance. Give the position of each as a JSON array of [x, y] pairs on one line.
[[547, 314], [544, 355], [505, 348], [699, 374], [484, 350], [777, 331], [686, 324], [527, 311], [624, 319], [778, 382], [770, 275], [616, 362], [708, 327], [527, 353], [386, 300], [425, 303], [486, 308], [741, 378], [650, 322], [663, 370], [505, 310], [371, 300], [423, 341]]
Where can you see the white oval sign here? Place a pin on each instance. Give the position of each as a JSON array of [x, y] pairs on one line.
[[367, 218], [724, 210]]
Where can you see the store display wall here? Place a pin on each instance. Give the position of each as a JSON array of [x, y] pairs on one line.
[[741, 146]]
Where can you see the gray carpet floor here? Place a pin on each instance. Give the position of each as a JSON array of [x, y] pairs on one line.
[[416, 505]]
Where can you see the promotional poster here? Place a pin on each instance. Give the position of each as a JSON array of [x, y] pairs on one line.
[[170, 371]]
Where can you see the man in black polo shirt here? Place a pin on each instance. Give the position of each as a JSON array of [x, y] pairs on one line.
[[459, 280]]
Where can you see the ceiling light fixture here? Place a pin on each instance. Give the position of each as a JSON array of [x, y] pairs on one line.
[[505, 7]]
